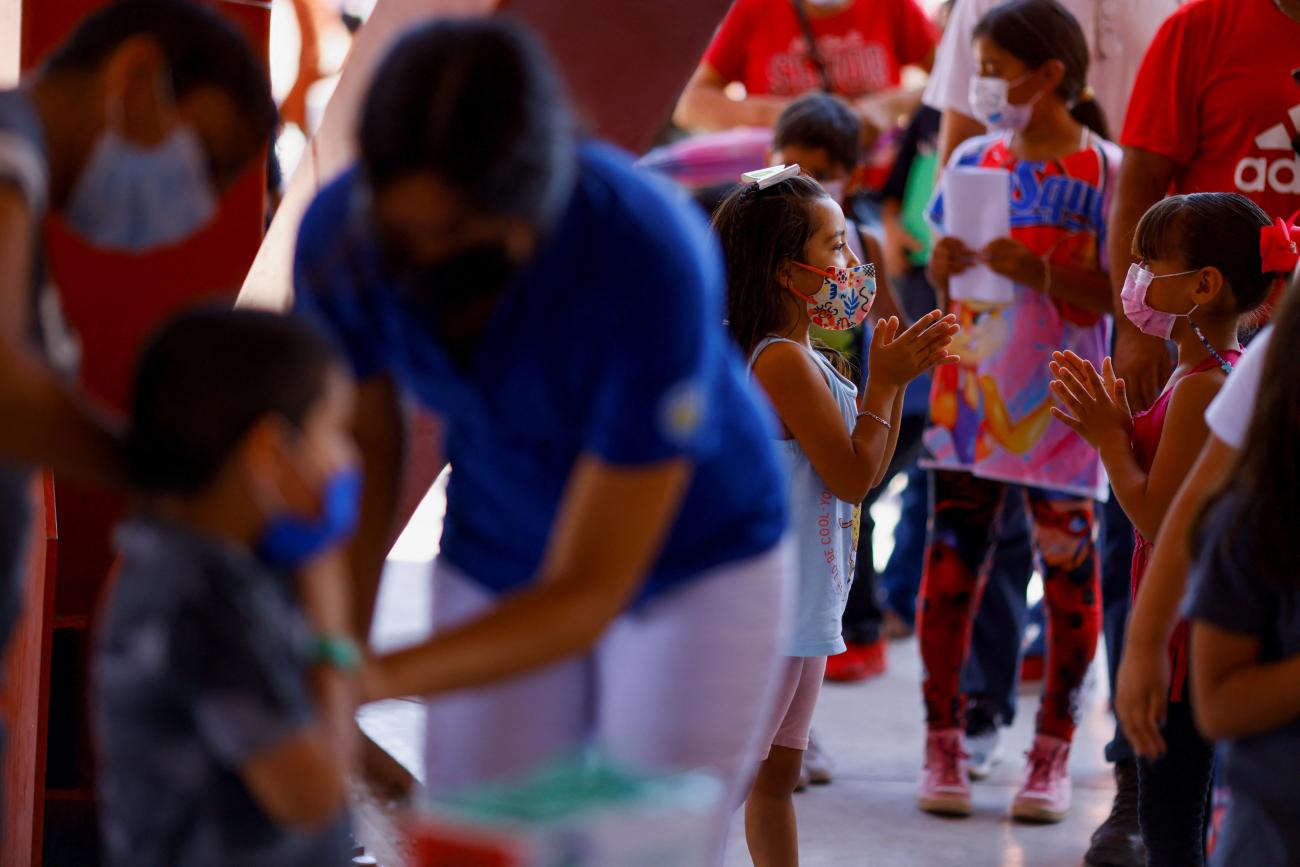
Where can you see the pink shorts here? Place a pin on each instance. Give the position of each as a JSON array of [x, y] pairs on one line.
[[799, 684]]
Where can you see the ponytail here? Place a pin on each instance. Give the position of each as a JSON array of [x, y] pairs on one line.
[[1087, 111], [760, 229], [1039, 31]]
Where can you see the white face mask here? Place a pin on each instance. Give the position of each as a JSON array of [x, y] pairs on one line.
[[834, 189], [992, 107], [134, 198]]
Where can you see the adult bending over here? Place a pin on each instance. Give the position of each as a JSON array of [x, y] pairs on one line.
[[610, 566]]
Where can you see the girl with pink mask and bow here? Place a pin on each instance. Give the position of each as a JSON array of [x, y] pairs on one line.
[[1207, 261]]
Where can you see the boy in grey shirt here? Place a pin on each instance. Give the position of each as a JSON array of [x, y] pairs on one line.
[[223, 692]]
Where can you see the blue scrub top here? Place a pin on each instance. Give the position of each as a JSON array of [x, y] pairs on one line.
[[610, 343]]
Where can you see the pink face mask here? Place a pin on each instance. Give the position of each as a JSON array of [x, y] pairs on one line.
[[1148, 320]]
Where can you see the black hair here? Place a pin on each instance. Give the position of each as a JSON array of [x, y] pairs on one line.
[[1258, 511], [201, 47], [710, 198], [1219, 230], [761, 230], [206, 378], [478, 103], [819, 120], [1038, 31]]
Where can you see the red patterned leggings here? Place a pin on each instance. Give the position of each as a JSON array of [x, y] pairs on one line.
[[962, 528]]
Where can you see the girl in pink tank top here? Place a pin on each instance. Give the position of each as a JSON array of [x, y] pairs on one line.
[[1200, 271]]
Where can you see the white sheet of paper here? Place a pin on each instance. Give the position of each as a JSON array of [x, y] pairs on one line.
[[977, 209]]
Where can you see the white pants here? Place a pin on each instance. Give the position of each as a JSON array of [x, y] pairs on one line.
[[686, 682]]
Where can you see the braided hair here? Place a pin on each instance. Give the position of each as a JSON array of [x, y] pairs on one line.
[[761, 230]]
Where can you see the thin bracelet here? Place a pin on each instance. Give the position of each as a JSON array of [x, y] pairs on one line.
[[336, 651], [871, 415]]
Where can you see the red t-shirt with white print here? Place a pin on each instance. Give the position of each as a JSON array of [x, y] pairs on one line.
[[1215, 95], [864, 46]]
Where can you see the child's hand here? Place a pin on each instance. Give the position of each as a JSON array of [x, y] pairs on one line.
[[1098, 404], [950, 257], [1015, 261], [1141, 693], [896, 359]]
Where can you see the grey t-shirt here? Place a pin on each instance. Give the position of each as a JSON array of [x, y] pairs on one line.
[[200, 663], [1230, 591], [24, 164]]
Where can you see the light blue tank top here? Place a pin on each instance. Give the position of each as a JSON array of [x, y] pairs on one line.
[[824, 527]]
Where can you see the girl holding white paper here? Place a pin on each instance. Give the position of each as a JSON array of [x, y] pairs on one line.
[[993, 434]]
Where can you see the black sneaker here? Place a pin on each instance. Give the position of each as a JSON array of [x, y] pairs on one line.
[[1118, 841]]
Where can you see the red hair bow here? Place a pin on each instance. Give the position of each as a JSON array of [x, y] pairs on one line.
[[1277, 245]]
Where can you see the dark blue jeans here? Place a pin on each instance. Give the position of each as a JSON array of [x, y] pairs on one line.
[[901, 578], [992, 673], [863, 612], [991, 677], [1116, 601]]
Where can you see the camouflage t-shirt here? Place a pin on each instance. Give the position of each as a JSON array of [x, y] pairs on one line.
[[200, 663]]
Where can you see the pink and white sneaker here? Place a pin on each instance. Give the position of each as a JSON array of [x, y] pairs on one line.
[[1045, 794], [945, 788]]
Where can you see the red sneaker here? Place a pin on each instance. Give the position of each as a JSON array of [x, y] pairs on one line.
[[846, 667], [1032, 669], [860, 662], [873, 657]]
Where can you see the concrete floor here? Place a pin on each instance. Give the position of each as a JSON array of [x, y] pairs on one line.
[[868, 816], [873, 731]]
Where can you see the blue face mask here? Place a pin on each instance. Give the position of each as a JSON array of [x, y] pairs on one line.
[[134, 198], [290, 541]]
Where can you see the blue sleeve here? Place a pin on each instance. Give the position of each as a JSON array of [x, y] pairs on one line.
[[662, 348], [934, 213], [334, 274], [1227, 588]]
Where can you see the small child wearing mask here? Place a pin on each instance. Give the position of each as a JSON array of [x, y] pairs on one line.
[[213, 746]]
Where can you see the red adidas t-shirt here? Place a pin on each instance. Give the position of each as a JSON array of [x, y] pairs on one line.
[[864, 47], [1215, 94]]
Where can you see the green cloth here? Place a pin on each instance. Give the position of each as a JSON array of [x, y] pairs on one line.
[[576, 786], [585, 811], [916, 200]]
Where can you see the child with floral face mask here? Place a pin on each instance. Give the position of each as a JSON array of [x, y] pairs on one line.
[[788, 268], [993, 439], [1206, 261]]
